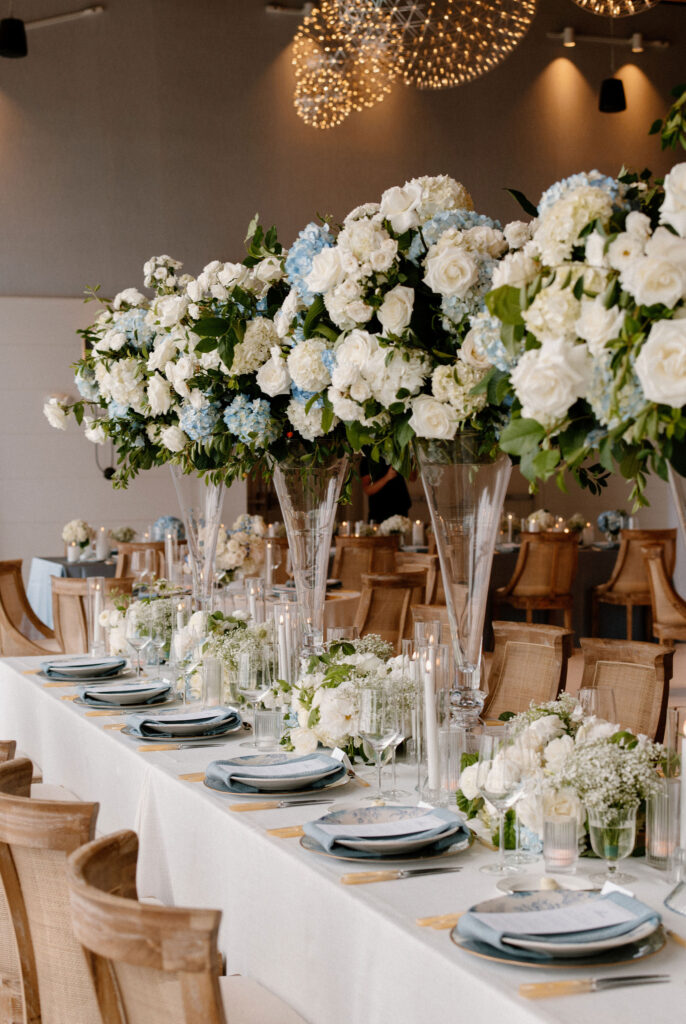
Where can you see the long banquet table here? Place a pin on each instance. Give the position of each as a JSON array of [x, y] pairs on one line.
[[337, 953]]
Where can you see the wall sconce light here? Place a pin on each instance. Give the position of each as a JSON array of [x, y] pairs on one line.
[[637, 42], [612, 99], [13, 38], [568, 37]]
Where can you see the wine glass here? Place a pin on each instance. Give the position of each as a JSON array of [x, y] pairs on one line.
[[613, 835], [405, 696], [137, 634], [598, 701], [158, 632], [500, 781], [378, 724], [255, 676]]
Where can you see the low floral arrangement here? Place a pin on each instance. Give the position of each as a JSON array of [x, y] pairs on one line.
[[572, 763], [77, 531], [395, 524], [576, 523], [114, 619], [123, 534], [240, 550], [220, 636], [542, 519], [612, 522], [322, 705]]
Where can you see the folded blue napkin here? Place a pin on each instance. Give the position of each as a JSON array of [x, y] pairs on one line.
[[225, 776], [327, 840], [109, 700], [59, 669], [469, 927], [440, 845], [226, 720]]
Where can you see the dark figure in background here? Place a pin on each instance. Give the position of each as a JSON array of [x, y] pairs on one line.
[[386, 489]]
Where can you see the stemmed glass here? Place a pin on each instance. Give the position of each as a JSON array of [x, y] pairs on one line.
[[137, 635], [405, 696], [158, 632], [500, 781], [598, 701], [613, 835], [378, 724], [255, 676]]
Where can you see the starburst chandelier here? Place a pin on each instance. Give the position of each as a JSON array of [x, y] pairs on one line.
[[615, 8]]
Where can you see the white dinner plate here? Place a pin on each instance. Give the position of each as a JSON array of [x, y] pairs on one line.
[[281, 782], [384, 816], [397, 846], [115, 693], [532, 883], [78, 668], [185, 723], [576, 949]]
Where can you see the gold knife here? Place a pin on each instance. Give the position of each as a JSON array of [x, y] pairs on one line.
[[365, 877], [577, 986]]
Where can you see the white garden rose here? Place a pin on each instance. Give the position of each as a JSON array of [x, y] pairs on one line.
[[450, 269], [503, 774], [652, 281], [665, 245], [624, 249], [596, 255], [661, 363], [595, 729], [327, 270], [516, 269], [344, 408], [548, 380], [94, 430], [129, 297], [159, 395], [170, 309], [368, 242], [268, 270], [389, 371], [55, 414], [173, 438], [638, 225], [483, 238], [231, 274], [305, 365], [273, 377], [304, 741], [546, 729], [471, 355], [556, 752], [563, 803], [525, 755], [178, 374], [399, 206], [598, 325], [469, 781], [353, 354], [673, 209], [433, 419], [164, 350], [517, 233], [396, 310], [345, 305], [292, 305]]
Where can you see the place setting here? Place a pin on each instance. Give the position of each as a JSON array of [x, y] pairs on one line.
[[85, 668], [276, 775], [194, 727]]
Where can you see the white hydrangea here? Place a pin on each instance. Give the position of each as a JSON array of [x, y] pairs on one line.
[[307, 424], [345, 305], [553, 313], [391, 370], [306, 367], [454, 383], [55, 414], [254, 350], [559, 227]]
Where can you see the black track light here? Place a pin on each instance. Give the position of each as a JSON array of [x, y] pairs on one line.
[[13, 38], [612, 99]]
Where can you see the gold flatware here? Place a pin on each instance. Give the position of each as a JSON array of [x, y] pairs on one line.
[[287, 832], [193, 777], [679, 939], [46, 685], [356, 778], [440, 921], [272, 805], [577, 986], [68, 696], [114, 725], [365, 877], [103, 712]]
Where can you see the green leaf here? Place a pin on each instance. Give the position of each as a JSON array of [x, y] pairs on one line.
[[211, 327], [525, 203], [313, 314], [545, 462], [404, 434], [521, 436], [206, 345], [504, 303]]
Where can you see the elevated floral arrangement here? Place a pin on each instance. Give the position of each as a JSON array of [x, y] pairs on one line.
[[572, 762], [241, 550], [588, 330]]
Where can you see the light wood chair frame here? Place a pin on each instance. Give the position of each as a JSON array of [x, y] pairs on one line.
[[666, 632], [559, 639], [658, 657], [605, 593], [13, 643], [126, 550], [371, 545], [63, 586], [408, 561], [413, 582], [553, 601], [113, 926], [433, 613]]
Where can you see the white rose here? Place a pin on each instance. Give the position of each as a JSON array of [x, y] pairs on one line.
[[173, 438], [94, 431], [232, 273], [268, 270], [306, 367], [595, 250], [525, 756], [450, 270], [624, 250], [159, 395], [164, 350], [471, 355], [661, 363], [652, 280], [396, 310], [55, 414], [130, 296], [516, 269], [674, 206], [556, 752], [170, 309], [273, 377], [666, 245], [327, 270], [469, 781], [431, 418], [503, 775], [517, 233], [399, 206], [292, 305], [638, 225], [485, 239], [304, 741], [353, 354], [595, 729], [548, 380], [597, 325], [546, 729], [563, 803]]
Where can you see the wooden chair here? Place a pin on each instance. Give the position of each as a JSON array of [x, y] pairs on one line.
[[639, 673], [628, 585], [408, 561], [385, 602], [36, 837], [358, 555], [529, 663], [543, 576], [165, 959], [69, 609], [126, 552], [667, 607], [21, 631], [433, 613]]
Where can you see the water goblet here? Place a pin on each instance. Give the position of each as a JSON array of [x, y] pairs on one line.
[[598, 701], [137, 634], [613, 835], [378, 725], [500, 781], [159, 632]]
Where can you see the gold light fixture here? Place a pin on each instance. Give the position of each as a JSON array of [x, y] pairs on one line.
[[356, 43], [459, 40], [615, 8], [322, 97]]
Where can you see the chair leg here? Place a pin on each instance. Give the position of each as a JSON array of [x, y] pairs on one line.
[[594, 614], [529, 615], [629, 621], [568, 615]]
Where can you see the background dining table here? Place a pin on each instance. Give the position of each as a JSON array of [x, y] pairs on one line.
[[39, 588]]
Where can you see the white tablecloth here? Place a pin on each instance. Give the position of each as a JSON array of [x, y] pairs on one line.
[[337, 953]]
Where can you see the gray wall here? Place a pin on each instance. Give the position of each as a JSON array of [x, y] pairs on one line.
[[163, 125]]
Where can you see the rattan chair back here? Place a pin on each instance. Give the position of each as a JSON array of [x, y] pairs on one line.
[[355, 556], [529, 664]]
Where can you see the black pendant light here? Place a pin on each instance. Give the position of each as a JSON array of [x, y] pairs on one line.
[[612, 99], [13, 38]]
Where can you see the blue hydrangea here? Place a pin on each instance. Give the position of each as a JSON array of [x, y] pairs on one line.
[[132, 323], [488, 342], [309, 242], [167, 524], [117, 410], [263, 305], [250, 420], [463, 220], [594, 179], [329, 359], [199, 424], [87, 385], [611, 406], [455, 309], [303, 397], [611, 521]]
